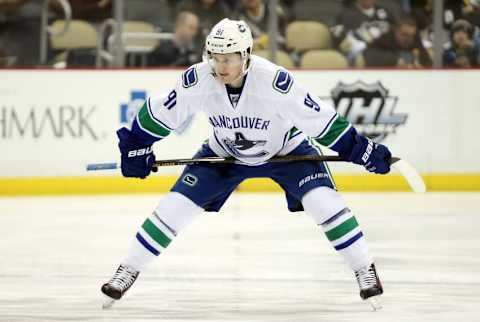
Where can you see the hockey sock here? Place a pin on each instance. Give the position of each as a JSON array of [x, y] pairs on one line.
[[172, 214], [345, 235], [329, 211]]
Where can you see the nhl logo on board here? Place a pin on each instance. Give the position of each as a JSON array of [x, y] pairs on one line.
[[369, 107]]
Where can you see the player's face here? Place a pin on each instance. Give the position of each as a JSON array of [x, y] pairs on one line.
[[228, 67]]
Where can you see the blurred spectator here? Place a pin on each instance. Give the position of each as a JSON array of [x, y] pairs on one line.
[[180, 51], [9, 6], [9, 10], [461, 51], [462, 9], [422, 12], [257, 14], [90, 10], [231, 4], [401, 47], [160, 13], [209, 13], [360, 24], [4, 59], [407, 5], [324, 11], [20, 32]]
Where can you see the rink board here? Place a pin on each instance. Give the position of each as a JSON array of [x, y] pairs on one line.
[[53, 123], [120, 185]]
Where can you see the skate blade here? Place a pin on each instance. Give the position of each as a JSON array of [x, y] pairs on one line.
[[107, 302], [375, 303]]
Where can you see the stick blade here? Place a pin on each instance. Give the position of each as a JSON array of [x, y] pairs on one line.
[[102, 166], [413, 178]]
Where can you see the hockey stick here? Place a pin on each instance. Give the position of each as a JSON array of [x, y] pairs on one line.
[[414, 179]]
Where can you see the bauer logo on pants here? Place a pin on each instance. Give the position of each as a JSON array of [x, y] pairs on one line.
[[311, 177], [369, 107]]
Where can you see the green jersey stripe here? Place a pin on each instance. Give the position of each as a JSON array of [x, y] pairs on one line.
[[335, 131], [340, 136], [146, 130], [155, 233], [342, 229], [293, 132], [147, 122]]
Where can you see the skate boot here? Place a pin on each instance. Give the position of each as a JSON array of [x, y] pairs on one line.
[[121, 281], [370, 286]]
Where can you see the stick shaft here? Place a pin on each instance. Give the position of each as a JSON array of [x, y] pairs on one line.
[[406, 170], [220, 160], [217, 160]]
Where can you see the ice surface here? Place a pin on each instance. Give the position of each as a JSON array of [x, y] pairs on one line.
[[252, 262]]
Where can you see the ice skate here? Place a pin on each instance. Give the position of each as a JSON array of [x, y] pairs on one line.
[[370, 285], [121, 281]]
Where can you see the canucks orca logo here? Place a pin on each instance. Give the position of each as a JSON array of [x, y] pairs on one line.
[[235, 147], [369, 107], [130, 109]]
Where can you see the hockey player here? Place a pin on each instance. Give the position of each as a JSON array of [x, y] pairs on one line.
[[257, 110]]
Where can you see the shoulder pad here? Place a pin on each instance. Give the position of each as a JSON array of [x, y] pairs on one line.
[[282, 82], [190, 77]]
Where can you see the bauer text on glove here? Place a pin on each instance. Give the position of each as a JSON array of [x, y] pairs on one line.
[[137, 158]]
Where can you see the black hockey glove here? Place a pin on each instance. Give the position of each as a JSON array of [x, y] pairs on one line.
[[137, 158], [374, 157]]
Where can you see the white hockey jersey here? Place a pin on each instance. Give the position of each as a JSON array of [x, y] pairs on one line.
[[272, 116]]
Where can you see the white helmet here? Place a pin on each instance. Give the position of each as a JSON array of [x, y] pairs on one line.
[[230, 36]]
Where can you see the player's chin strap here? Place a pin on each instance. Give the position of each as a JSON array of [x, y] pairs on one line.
[[246, 65]]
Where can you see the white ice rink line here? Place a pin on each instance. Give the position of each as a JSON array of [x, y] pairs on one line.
[[252, 262]]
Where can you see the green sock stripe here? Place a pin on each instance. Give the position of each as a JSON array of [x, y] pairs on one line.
[[337, 128], [342, 229], [155, 233], [148, 123]]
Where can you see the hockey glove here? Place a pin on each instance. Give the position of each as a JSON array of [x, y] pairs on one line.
[[373, 156], [137, 158]]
